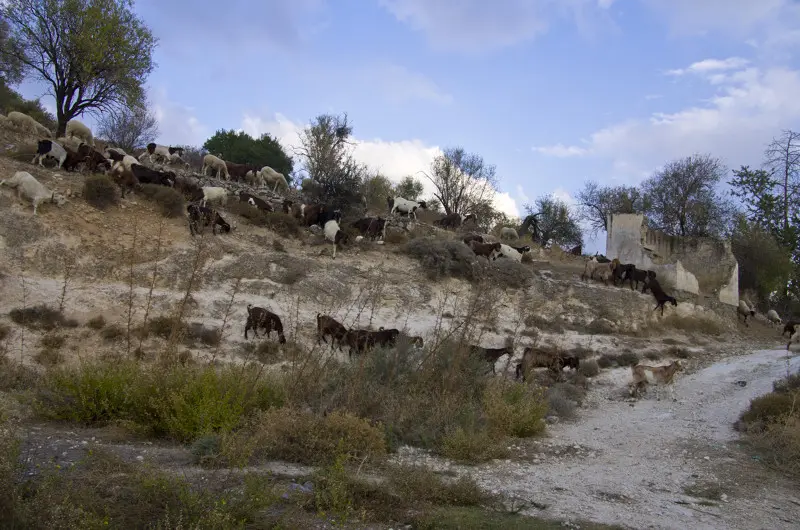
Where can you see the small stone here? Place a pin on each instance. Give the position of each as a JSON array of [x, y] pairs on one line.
[[140, 458]]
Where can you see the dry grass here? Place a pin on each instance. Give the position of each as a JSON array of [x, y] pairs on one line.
[[588, 368], [100, 191], [41, 317], [281, 223], [696, 324], [169, 200], [98, 322]]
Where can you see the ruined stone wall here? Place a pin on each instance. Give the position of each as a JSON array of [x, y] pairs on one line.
[[701, 266]]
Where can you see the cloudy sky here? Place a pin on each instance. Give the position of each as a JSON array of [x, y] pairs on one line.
[[554, 92]]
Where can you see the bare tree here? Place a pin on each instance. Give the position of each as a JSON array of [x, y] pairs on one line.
[[782, 160], [327, 155], [94, 54], [128, 128], [462, 180], [596, 202], [683, 199]]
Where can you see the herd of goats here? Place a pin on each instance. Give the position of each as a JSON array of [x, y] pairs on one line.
[[79, 148]]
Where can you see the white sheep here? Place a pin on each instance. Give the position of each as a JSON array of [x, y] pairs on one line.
[[79, 130], [214, 194], [28, 124], [272, 177], [745, 311], [400, 204], [773, 317], [334, 234], [30, 188], [49, 148], [508, 234], [70, 142], [144, 156], [176, 160], [215, 163]]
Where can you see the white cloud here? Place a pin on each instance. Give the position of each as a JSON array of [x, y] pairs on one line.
[[750, 107], [711, 65], [177, 124], [561, 150], [393, 159], [401, 85]]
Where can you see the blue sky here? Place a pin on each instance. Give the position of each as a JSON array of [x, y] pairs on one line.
[[553, 92]]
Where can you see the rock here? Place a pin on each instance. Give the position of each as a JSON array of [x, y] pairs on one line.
[[552, 420], [601, 326]]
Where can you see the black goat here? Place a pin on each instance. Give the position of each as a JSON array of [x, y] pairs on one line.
[[659, 294], [258, 317], [202, 216]]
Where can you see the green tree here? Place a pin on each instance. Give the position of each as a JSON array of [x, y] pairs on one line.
[[11, 100], [376, 189], [597, 202], [462, 180], [127, 128], [556, 221], [327, 155], [682, 198], [94, 55], [240, 147], [10, 66], [409, 188]]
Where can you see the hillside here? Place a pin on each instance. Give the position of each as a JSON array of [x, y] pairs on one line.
[[128, 262]]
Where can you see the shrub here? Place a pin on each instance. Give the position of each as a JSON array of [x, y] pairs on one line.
[[52, 341], [588, 368], [653, 355], [39, 317], [772, 408], [710, 326], [302, 436], [514, 409], [48, 357], [443, 257], [277, 246], [606, 361], [279, 222], [112, 332], [100, 191], [98, 322], [416, 484], [394, 237], [5, 331], [560, 401], [506, 273], [208, 336], [470, 446], [627, 358], [679, 352], [169, 200]]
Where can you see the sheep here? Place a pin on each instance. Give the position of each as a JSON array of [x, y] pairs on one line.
[[405, 206], [30, 188], [508, 234], [239, 171], [659, 294], [176, 160], [49, 148], [28, 124], [79, 130], [487, 250], [511, 253], [745, 311], [660, 375], [334, 234], [258, 317], [789, 327], [473, 237], [217, 164], [773, 317], [258, 202], [491, 355], [371, 227], [329, 326], [455, 220], [201, 216], [214, 194], [145, 175], [272, 177], [71, 142], [162, 151]]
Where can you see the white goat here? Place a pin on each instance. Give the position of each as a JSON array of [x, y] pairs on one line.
[[334, 234], [399, 204], [31, 189], [49, 148], [510, 253]]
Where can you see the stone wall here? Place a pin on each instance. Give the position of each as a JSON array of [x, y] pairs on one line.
[[704, 267]]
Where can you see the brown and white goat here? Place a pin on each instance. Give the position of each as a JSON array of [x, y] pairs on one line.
[[644, 375], [487, 250]]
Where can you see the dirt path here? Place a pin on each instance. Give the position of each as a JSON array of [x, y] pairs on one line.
[[628, 464]]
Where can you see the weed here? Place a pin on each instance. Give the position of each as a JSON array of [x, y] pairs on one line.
[[332, 494], [205, 449], [560, 401], [709, 326], [100, 191], [417, 484], [292, 276], [168, 199], [470, 446], [704, 490], [514, 409], [39, 317], [196, 331], [112, 332], [443, 257], [281, 223], [588, 368], [98, 322]]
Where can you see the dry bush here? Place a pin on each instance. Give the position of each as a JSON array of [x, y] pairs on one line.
[[606, 361], [169, 200], [653, 355], [564, 398], [98, 322], [278, 246], [40, 317], [279, 222], [100, 191], [52, 341], [443, 257], [506, 273], [627, 358], [48, 357], [679, 352], [291, 276], [394, 237], [112, 332], [588, 368], [5, 331], [698, 324]]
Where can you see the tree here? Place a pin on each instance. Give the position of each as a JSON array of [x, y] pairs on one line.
[[10, 66], [462, 180], [376, 189], [782, 159], [128, 128], [11, 100], [682, 198], [597, 202], [240, 147], [556, 221], [327, 154], [409, 188], [94, 55]]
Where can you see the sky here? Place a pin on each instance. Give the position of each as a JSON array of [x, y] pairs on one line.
[[552, 92]]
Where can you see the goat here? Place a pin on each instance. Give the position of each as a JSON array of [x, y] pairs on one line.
[[793, 338], [789, 327], [49, 148], [163, 152], [639, 275], [258, 202], [744, 310], [536, 358], [258, 317], [402, 205], [74, 158], [491, 355], [623, 272], [318, 214], [214, 194], [455, 220], [487, 250], [202, 216], [371, 227], [145, 175], [473, 237], [511, 252], [239, 171], [30, 188], [576, 250], [328, 326], [660, 375], [659, 294], [335, 235], [93, 158]]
